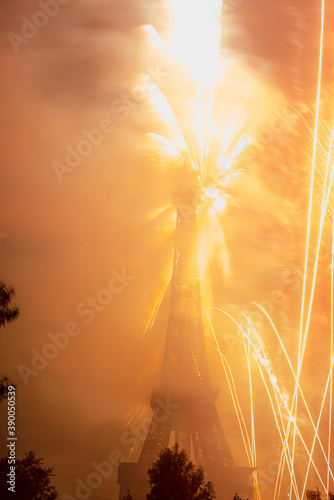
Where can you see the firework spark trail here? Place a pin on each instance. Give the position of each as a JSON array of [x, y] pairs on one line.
[[322, 139], [160, 211], [196, 124], [260, 360], [160, 101], [248, 358], [158, 303], [193, 156], [203, 106], [241, 421], [299, 387], [321, 145], [169, 148], [330, 208], [211, 92], [177, 9], [318, 423], [319, 202], [312, 184], [239, 414], [309, 126], [235, 399], [203, 118], [285, 449], [263, 361], [324, 205], [302, 347], [257, 358], [294, 404], [331, 375], [152, 29], [293, 420], [205, 94], [253, 440], [201, 62], [279, 478]]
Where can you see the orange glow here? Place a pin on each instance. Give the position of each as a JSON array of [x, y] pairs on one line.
[[213, 146], [99, 115]]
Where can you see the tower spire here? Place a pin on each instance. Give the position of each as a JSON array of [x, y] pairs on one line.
[[184, 388]]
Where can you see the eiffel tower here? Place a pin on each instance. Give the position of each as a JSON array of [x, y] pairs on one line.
[[183, 402]]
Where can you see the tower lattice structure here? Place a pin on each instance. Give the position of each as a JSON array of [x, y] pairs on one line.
[[183, 401]]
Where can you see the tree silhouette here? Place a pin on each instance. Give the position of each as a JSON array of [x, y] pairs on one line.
[[127, 496], [316, 495], [4, 383], [313, 494], [237, 497], [32, 480], [174, 476], [9, 311]]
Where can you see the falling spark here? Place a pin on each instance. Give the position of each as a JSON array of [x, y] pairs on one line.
[[303, 336], [230, 381], [331, 373], [158, 303]]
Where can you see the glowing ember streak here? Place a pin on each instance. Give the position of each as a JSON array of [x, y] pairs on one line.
[[299, 387], [230, 381], [158, 303], [331, 374], [261, 360], [326, 193], [318, 424], [253, 440], [166, 146], [302, 336], [285, 450]]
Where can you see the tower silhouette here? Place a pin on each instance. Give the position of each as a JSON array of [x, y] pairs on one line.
[[183, 401]]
